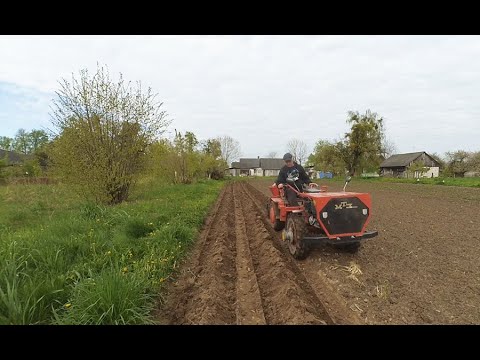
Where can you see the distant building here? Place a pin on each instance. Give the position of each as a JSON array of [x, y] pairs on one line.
[[271, 167], [398, 165], [256, 167]]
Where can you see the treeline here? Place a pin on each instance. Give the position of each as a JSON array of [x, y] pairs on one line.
[[183, 159], [362, 149], [458, 163], [107, 134], [25, 142], [31, 148], [365, 146], [186, 159]]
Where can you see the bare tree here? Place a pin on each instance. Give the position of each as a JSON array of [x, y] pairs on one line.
[[388, 148], [298, 149], [21, 142], [230, 149], [272, 154], [438, 158]]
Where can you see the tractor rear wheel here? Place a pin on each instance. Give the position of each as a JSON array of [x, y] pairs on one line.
[[294, 234], [350, 247], [277, 224]]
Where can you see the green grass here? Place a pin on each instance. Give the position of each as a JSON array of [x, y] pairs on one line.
[[465, 182], [445, 181], [64, 261]]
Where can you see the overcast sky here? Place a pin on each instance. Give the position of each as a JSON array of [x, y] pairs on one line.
[[265, 90]]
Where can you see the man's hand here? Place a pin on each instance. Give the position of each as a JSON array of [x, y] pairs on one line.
[[274, 184], [312, 185]]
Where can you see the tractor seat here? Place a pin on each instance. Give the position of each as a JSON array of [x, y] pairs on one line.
[[312, 190]]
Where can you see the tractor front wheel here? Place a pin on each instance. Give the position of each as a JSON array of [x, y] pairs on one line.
[[277, 224], [293, 236]]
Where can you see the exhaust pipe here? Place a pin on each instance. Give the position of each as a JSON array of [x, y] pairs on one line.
[[347, 180]]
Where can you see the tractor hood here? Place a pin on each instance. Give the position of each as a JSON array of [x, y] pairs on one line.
[[342, 213]]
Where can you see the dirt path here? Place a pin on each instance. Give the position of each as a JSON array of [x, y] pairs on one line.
[[249, 300], [240, 273], [206, 291], [310, 275]]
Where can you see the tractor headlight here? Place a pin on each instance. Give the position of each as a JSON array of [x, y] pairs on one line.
[[365, 211], [324, 214]]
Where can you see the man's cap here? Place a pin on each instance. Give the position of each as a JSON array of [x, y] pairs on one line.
[[287, 156]]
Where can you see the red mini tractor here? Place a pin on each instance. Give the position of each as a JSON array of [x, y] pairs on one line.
[[337, 218]]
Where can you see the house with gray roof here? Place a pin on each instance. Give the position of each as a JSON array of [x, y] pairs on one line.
[[256, 167], [271, 167], [398, 165]]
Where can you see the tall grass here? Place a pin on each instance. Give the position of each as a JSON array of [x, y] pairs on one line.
[[63, 261]]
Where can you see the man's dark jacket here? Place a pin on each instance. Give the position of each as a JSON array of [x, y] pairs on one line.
[[285, 171]]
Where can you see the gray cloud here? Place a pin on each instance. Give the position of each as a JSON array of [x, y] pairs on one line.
[[264, 90]]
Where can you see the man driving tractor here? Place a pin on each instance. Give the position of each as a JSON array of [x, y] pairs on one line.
[[294, 170]]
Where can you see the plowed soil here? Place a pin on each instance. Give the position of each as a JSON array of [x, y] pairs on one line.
[[422, 268]]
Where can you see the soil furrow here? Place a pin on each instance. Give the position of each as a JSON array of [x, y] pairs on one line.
[[205, 291], [310, 277], [285, 297], [249, 309], [239, 272]]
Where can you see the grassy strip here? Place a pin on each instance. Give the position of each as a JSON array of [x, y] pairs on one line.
[[465, 182], [67, 262]]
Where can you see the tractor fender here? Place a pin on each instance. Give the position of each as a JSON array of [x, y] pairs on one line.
[[276, 209]]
